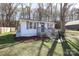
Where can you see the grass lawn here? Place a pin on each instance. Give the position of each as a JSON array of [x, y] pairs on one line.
[[10, 47], [73, 33]]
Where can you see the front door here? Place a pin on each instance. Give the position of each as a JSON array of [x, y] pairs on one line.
[[42, 27]]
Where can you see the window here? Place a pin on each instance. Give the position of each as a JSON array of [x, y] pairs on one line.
[[27, 24], [30, 24], [34, 25]]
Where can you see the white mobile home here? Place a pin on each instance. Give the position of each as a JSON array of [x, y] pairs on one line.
[[29, 28]]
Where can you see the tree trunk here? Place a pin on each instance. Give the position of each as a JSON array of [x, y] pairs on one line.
[[62, 19]]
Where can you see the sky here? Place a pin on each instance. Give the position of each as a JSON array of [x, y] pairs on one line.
[[34, 5], [77, 5]]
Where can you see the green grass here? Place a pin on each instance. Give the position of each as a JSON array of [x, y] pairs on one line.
[[73, 33], [6, 38], [9, 47]]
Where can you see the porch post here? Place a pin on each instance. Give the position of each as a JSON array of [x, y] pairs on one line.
[[37, 27], [32, 25]]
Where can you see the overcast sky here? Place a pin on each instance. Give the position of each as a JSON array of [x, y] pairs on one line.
[[34, 5]]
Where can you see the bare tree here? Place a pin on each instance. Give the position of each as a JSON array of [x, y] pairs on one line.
[[40, 10], [63, 13], [25, 11], [63, 10], [8, 9], [49, 11]]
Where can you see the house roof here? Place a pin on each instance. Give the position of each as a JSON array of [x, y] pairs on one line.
[[72, 23], [35, 21]]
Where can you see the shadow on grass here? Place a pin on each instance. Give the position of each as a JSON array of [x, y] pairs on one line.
[[42, 44], [77, 40], [66, 47], [68, 51], [53, 46], [7, 41], [74, 45], [40, 48], [10, 40]]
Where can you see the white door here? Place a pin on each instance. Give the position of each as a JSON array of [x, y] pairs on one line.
[[42, 27]]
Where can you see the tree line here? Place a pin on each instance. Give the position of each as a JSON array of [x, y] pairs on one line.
[[10, 13]]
